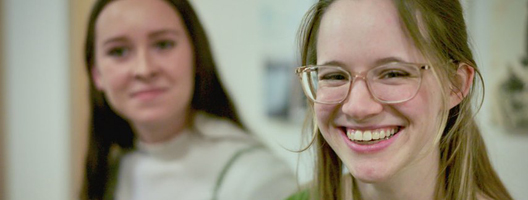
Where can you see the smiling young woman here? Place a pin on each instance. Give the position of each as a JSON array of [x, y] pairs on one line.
[[390, 85]]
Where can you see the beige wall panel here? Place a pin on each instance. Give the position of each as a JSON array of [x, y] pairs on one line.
[[79, 90], [2, 110]]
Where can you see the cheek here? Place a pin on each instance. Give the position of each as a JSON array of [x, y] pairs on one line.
[[430, 103], [324, 116], [114, 78], [112, 74], [183, 63], [183, 73], [188, 72], [427, 102], [423, 114], [187, 82]]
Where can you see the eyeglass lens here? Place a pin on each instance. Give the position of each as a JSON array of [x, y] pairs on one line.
[[388, 83]]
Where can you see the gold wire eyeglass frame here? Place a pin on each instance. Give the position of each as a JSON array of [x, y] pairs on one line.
[[307, 86]]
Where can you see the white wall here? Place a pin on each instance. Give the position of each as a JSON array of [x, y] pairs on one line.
[[507, 150], [235, 28], [37, 100]]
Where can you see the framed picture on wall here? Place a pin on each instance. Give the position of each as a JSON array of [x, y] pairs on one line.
[[280, 21], [509, 57]]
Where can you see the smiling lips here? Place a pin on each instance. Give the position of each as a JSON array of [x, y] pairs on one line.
[[148, 93], [370, 135]]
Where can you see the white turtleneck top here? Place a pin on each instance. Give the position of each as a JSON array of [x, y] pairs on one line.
[[188, 167]]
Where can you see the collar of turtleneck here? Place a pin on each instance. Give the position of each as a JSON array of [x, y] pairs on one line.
[[205, 126], [173, 148]]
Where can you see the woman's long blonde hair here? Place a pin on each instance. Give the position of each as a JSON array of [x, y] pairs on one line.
[[438, 30]]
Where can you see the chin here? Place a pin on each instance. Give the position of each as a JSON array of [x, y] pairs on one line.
[[370, 179], [152, 116], [371, 175]]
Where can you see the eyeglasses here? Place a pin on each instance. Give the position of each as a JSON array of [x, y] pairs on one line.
[[389, 83]]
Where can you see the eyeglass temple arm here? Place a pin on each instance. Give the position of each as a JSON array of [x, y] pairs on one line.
[[300, 70]]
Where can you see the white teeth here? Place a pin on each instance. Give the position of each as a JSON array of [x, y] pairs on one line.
[[367, 136], [375, 135], [358, 136], [382, 134], [370, 135]]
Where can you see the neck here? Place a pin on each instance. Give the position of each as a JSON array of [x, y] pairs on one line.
[[416, 182], [159, 132]]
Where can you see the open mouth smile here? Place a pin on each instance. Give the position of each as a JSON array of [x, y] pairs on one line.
[[371, 136]]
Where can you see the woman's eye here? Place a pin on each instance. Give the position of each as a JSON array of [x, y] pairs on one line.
[[394, 74], [165, 44], [118, 52], [333, 77]]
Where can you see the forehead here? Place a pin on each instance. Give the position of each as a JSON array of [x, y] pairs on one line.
[[122, 16], [361, 32]]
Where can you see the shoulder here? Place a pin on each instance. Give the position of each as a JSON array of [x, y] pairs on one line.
[[302, 195], [260, 157], [260, 162], [258, 173], [252, 171]]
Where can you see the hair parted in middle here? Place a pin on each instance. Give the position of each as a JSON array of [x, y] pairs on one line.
[[107, 129], [438, 30]]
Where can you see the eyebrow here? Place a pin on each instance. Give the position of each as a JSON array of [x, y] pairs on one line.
[[150, 35], [114, 40], [334, 63], [378, 62], [163, 32], [386, 60]]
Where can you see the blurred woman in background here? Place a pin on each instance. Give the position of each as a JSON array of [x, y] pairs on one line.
[[162, 125]]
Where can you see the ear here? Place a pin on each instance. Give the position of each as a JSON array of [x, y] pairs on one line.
[[96, 78], [463, 83]]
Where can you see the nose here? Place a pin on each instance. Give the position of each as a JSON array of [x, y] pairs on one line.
[[360, 104], [145, 67]]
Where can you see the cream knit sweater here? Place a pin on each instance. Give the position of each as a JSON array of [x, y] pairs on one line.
[[188, 167]]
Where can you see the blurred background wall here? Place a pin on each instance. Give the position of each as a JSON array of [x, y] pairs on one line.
[[44, 85], [2, 111], [498, 29], [36, 85]]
